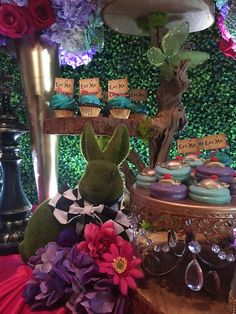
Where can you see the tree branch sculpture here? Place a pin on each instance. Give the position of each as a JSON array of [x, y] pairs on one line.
[[171, 116], [166, 53]]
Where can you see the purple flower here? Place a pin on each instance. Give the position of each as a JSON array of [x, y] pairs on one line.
[[68, 237], [76, 60], [91, 289], [3, 41], [62, 273], [83, 268], [77, 31], [102, 298], [50, 280]]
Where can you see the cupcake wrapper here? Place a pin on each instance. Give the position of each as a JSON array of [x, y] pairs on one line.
[[87, 111], [120, 113], [64, 113]]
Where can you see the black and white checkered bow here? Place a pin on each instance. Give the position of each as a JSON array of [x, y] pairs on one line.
[[68, 204]]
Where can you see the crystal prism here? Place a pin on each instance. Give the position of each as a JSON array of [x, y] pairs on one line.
[[172, 239], [222, 255], [194, 247], [194, 276], [230, 257], [215, 248], [212, 282], [157, 248], [165, 248]]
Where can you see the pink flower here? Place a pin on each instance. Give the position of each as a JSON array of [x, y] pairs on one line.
[[14, 21], [221, 24], [227, 47], [98, 239], [121, 265], [42, 13]]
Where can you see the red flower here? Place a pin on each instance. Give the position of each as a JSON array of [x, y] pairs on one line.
[[98, 239], [42, 13], [14, 21], [121, 265], [227, 47]]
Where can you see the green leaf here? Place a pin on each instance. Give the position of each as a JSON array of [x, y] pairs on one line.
[[157, 19], [167, 71], [172, 42], [195, 58], [142, 23], [156, 56]]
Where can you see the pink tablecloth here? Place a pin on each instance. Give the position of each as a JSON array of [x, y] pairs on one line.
[[13, 276]]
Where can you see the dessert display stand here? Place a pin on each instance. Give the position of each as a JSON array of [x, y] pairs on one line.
[[197, 247], [186, 219]]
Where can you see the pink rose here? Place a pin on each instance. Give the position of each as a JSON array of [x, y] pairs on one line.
[[13, 21], [42, 13]]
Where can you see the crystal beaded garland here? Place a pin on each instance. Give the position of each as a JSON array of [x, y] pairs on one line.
[[222, 255], [194, 247], [215, 248]]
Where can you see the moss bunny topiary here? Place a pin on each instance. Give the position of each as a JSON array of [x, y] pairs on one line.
[[101, 183]]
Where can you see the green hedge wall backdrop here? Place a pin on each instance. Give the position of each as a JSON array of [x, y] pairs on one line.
[[210, 101]]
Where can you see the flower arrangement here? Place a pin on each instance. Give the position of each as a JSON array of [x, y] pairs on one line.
[[94, 275], [75, 26], [226, 23]]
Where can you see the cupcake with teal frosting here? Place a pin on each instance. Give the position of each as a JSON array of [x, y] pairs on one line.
[[210, 191], [138, 112], [89, 106], [177, 168], [62, 105], [120, 107]]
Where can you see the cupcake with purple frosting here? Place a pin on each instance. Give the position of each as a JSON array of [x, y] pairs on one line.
[[168, 189]]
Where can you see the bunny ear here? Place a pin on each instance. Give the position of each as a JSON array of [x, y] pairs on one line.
[[118, 146], [89, 145]]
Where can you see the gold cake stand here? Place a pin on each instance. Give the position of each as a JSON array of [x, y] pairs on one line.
[[213, 221], [191, 222]]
